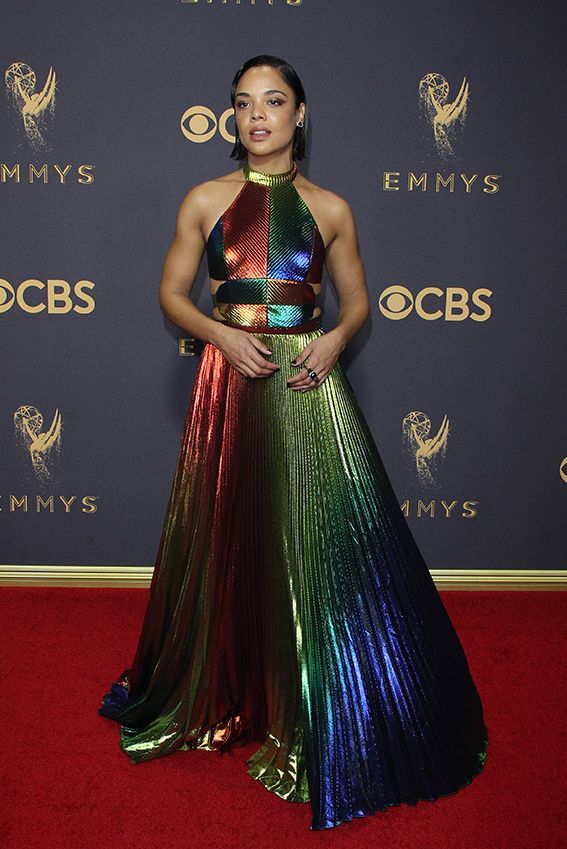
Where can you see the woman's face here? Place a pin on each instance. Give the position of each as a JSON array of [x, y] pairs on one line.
[[265, 112]]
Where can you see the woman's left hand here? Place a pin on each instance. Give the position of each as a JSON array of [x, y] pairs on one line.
[[322, 354]]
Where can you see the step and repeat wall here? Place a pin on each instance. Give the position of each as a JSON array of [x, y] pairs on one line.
[[438, 122]]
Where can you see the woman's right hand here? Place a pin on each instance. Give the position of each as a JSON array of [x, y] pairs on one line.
[[245, 351]]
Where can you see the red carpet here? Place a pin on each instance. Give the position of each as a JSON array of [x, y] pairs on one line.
[[67, 784]]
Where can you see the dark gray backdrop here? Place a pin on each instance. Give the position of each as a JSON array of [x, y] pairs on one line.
[[126, 72]]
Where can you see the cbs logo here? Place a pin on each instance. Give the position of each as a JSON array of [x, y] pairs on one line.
[[56, 296], [452, 304], [199, 124]]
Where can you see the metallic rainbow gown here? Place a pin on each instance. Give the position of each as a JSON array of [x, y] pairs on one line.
[[290, 604]]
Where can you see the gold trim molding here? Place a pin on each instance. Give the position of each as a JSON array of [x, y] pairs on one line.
[[141, 576]]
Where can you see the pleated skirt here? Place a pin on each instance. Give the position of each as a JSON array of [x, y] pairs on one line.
[[291, 606]]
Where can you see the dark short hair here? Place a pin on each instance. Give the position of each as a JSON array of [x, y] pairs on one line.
[[290, 76]]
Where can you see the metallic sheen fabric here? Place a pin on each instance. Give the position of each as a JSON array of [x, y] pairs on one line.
[[290, 604], [268, 250]]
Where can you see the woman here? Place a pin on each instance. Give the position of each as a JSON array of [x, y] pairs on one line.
[[290, 604]]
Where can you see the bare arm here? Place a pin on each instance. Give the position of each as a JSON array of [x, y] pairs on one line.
[[180, 269], [346, 268], [181, 264]]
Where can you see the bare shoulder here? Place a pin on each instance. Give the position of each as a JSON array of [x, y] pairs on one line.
[[332, 212], [208, 199], [321, 196]]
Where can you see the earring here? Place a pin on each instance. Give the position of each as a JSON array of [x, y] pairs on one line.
[[300, 123]]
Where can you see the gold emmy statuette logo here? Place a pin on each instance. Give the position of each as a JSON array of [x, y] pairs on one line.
[[30, 104], [199, 124], [28, 424], [442, 113], [563, 470], [425, 449]]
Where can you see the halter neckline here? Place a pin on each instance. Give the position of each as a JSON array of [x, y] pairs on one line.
[[266, 179]]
